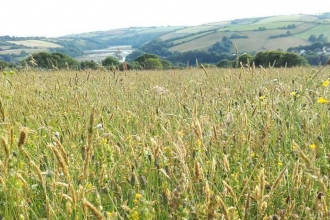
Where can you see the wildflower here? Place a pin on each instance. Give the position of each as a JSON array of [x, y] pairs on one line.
[[181, 133], [138, 196], [313, 146], [326, 83], [280, 164], [322, 100], [135, 215], [295, 94], [293, 147], [199, 143], [262, 98], [104, 141]]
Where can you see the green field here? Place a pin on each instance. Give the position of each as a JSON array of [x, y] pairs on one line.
[[284, 18], [196, 29], [188, 38], [284, 43], [201, 43], [35, 43], [180, 144], [18, 51], [255, 26], [320, 29], [258, 40]]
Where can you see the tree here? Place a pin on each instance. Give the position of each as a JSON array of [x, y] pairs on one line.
[[292, 59], [153, 64], [3, 64], [110, 61], [245, 58], [279, 59], [88, 65], [135, 54], [52, 61], [166, 64], [142, 59], [225, 64]]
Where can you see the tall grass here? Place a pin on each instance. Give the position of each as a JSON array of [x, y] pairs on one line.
[[192, 144]]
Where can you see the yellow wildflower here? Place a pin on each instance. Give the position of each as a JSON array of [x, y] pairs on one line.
[[323, 100], [199, 142], [313, 146], [138, 196], [135, 215], [295, 94], [326, 83], [181, 133], [280, 164], [293, 147], [263, 97]]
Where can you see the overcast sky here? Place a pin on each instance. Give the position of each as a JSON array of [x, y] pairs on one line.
[[52, 18]]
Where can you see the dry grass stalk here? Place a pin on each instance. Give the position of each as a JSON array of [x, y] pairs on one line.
[[93, 209], [224, 208], [230, 190], [62, 150], [22, 137], [247, 207], [88, 149], [7, 154], [60, 161], [278, 179], [226, 163]]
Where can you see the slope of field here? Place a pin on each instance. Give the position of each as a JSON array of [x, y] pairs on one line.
[[36, 43], [258, 40], [18, 51], [317, 30]]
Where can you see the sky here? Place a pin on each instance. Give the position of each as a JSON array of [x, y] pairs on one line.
[[54, 18]]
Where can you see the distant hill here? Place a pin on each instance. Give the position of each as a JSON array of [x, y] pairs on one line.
[[252, 34], [249, 34]]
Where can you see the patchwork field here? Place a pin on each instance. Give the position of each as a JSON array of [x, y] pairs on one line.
[[183, 144], [305, 26], [35, 43]]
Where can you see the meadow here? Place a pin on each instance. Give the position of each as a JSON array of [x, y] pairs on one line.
[[246, 143]]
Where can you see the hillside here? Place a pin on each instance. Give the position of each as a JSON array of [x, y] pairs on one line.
[[253, 34], [250, 35]]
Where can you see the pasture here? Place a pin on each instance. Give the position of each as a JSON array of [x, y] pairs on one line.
[[35, 43], [240, 143]]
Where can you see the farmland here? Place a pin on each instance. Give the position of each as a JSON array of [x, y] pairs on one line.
[[240, 143], [257, 40], [259, 35]]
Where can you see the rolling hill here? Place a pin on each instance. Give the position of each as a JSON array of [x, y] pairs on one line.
[[249, 34]]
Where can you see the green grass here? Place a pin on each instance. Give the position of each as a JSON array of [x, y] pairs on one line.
[[255, 26], [284, 43], [189, 38], [201, 43], [320, 29], [18, 51], [229, 144], [196, 29], [286, 18], [172, 35], [36, 43], [305, 26]]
